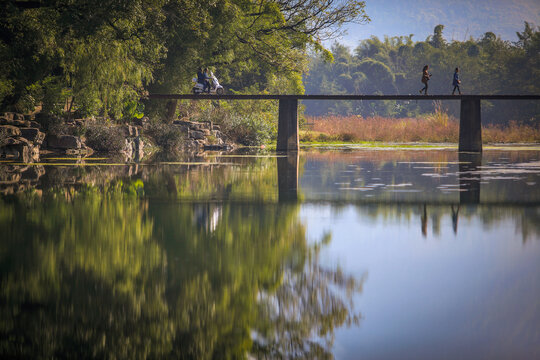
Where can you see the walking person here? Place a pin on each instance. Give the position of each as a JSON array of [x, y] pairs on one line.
[[425, 78], [456, 82]]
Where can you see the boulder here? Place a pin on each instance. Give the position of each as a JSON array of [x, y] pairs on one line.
[[13, 116], [11, 141], [198, 135], [33, 173], [10, 177], [83, 151], [33, 135], [18, 123], [64, 142], [19, 151], [130, 131], [10, 130], [35, 124]]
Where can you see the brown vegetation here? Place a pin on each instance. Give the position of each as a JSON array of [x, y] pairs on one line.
[[437, 127]]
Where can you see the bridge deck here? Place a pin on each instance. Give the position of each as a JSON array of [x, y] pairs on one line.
[[470, 124], [343, 97]]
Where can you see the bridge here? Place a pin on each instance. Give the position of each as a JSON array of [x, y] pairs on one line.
[[470, 122]]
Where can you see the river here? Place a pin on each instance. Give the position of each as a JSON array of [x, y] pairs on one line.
[[339, 252]]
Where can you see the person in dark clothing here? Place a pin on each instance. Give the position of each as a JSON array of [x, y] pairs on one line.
[[208, 84], [456, 82], [425, 78], [202, 78]]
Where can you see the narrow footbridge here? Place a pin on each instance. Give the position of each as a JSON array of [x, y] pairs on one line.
[[470, 123]]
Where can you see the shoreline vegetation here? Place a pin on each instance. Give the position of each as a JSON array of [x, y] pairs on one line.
[[77, 77], [431, 128]]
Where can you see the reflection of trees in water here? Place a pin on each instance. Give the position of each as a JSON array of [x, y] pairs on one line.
[[255, 257], [104, 274], [305, 308], [78, 280]]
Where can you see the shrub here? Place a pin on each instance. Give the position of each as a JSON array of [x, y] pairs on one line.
[[248, 129], [168, 137], [102, 137]]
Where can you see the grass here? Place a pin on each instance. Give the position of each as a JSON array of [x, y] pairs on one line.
[[434, 128]]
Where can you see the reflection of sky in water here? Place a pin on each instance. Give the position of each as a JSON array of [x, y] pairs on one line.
[[413, 176], [471, 295]]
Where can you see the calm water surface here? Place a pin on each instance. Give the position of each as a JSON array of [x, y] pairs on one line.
[[343, 253]]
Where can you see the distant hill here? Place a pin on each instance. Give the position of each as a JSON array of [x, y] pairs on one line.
[[461, 18]]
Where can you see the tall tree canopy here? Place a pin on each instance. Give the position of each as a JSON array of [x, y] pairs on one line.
[[105, 54], [488, 65]]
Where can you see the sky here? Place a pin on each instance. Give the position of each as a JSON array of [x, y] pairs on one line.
[[461, 18]]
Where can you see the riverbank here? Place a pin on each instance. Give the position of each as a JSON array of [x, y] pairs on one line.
[[25, 137], [433, 128]]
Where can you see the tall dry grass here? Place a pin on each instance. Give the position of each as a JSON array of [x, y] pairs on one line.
[[436, 127]]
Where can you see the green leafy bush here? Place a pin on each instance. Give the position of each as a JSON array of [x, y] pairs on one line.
[[248, 129]]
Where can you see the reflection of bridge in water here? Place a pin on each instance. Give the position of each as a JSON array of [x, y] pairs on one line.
[[469, 180], [469, 177]]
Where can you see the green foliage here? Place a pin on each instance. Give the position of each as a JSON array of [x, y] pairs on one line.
[[133, 110], [393, 65], [104, 56], [249, 129]]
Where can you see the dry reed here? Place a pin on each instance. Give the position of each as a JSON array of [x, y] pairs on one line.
[[437, 127]]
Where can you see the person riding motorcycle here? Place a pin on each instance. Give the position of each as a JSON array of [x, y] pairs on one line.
[[202, 78]]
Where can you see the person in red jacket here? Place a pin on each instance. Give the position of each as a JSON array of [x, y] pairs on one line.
[[425, 78]]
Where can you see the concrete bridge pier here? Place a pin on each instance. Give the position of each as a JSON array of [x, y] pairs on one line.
[[287, 138], [287, 169], [470, 126]]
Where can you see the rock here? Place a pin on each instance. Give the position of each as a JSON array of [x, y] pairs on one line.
[[130, 131], [10, 177], [206, 132], [33, 173], [33, 135], [19, 151], [216, 127], [35, 124], [83, 151], [13, 116], [198, 135], [12, 141], [195, 126], [18, 123], [10, 130], [64, 142]]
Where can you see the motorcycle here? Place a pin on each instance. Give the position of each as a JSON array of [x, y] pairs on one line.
[[215, 87]]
